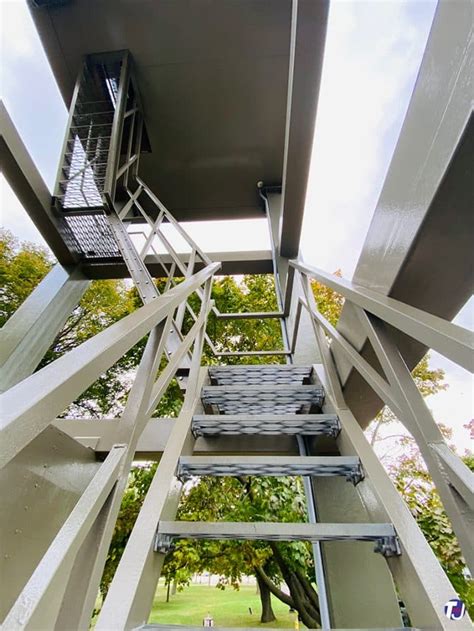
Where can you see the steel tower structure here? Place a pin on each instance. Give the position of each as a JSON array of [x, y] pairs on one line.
[[181, 111]]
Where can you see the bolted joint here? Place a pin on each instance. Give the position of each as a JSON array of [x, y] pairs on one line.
[[182, 474], [388, 546], [336, 428], [356, 475], [163, 543]]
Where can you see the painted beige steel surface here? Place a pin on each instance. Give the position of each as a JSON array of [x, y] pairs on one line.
[[39, 488]]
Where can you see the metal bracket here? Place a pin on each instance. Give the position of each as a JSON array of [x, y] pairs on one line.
[[356, 475], [163, 543], [388, 546]]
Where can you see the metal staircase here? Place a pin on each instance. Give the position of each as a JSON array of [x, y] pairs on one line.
[[271, 400]]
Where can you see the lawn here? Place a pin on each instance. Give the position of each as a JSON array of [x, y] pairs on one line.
[[229, 608]]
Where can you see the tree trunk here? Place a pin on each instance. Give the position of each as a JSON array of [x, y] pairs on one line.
[[276, 591], [306, 604], [266, 600]]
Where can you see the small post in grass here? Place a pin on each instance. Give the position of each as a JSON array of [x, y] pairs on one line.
[[208, 621]]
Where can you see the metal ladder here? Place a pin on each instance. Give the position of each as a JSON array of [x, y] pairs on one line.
[[271, 400]]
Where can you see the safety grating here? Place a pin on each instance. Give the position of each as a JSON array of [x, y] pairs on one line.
[[266, 425], [325, 466], [263, 399], [92, 235], [256, 375]]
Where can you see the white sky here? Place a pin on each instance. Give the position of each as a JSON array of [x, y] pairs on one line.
[[372, 57]]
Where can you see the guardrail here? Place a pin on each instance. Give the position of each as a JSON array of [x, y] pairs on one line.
[[452, 478]]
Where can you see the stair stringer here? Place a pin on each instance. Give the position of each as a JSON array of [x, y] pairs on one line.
[[422, 584]]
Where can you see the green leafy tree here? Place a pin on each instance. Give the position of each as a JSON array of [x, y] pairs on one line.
[[22, 267], [413, 481], [249, 499]]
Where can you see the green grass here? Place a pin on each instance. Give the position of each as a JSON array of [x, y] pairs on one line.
[[229, 608]]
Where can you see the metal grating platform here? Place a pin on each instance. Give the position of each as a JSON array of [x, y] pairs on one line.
[[383, 535], [347, 466], [266, 424], [263, 399], [92, 234], [259, 375]]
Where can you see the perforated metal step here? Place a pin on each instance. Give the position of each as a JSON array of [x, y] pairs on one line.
[[264, 399], [265, 424], [347, 466], [259, 375], [383, 535]]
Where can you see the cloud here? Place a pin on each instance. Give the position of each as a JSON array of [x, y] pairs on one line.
[[372, 56]]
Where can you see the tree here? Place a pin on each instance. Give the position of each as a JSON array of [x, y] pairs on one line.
[[22, 267], [249, 499], [428, 381], [414, 483]]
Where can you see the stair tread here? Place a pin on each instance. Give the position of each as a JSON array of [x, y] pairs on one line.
[[179, 627], [259, 374], [258, 399], [348, 466], [382, 534], [265, 424], [289, 531]]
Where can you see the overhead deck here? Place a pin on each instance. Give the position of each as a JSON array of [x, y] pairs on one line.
[[214, 79]]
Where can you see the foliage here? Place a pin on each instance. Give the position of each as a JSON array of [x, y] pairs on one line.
[[252, 293], [22, 267], [104, 303], [328, 301], [428, 381], [414, 482]]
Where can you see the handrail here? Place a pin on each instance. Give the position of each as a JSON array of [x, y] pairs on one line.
[[452, 478], [451, 340], [31, 405]]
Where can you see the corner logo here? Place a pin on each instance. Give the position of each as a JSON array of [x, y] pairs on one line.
[[454, 609]]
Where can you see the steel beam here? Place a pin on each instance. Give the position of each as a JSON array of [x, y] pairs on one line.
[[423, 586], [31, 330], [133, 587], [446, 469], [30, 189], [425, 206], [38, 604]]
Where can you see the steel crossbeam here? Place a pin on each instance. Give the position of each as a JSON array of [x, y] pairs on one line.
[[383, 535], [348, 466]]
